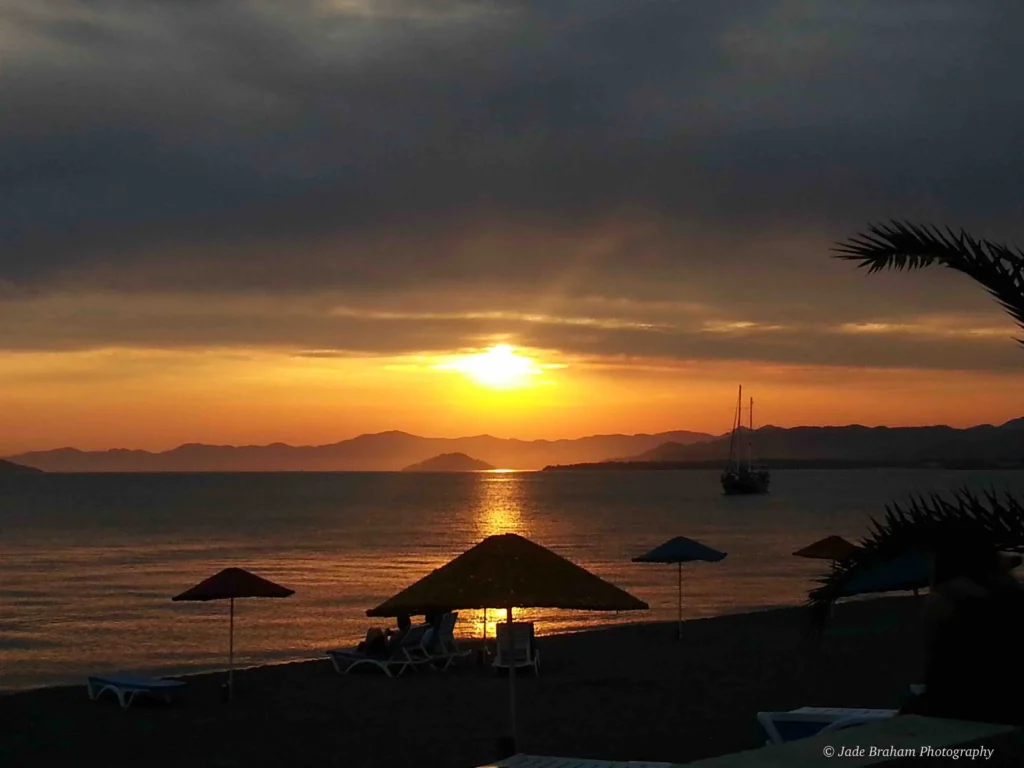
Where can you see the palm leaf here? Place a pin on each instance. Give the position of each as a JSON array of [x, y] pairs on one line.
[[997, 267], [923, 525], [927, 523]]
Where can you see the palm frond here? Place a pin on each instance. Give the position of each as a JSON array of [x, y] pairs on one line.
[[923, 525], [927, 523], [999, 268]]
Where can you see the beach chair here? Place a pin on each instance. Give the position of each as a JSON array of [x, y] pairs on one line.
[[524, 651], [432, 644], [126, 686], [442, 648], [541, 761], [451, 645], [781, 727], [409, 654]]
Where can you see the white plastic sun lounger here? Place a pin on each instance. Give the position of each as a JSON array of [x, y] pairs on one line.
[[524, 652], [781, 727], [127, 686], [448, 638], [408, 655], [345, 660], [540, 761], [444, 650]]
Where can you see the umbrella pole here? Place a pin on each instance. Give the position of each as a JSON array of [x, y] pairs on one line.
[[680, 600], [832, 605], [512, 680], [231, 651]]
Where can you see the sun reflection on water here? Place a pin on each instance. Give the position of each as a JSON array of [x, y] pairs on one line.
[[498, 507], [498, 510]]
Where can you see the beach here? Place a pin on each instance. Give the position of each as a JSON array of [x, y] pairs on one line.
[[629, 692]]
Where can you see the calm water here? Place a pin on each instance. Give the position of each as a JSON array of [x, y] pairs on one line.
[[88, 563]]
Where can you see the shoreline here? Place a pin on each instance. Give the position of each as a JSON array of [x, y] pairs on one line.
[[473, 643], [786, 464], [621, 692]]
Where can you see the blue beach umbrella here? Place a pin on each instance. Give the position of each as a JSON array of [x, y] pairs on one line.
[[678, 551], [910, 571]]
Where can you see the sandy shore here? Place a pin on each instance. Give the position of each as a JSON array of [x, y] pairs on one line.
[[630, 692]]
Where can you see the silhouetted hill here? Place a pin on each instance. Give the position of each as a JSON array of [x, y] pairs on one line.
[[449, 462], [385, 451], [862, 446], [9, 467]]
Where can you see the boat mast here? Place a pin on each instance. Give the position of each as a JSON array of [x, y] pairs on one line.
[[750, 437], [734, 459]]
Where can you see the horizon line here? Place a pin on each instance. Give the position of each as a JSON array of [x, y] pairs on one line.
[[10, 456]]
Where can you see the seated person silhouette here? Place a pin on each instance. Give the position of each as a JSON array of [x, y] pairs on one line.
[[973, 619], [433, 621], [375, 642], [380, 642], [395, 637]]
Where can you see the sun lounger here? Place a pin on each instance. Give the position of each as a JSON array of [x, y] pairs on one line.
[[451, 645], [127, 686], [524, 652], [901, 735], [408, 655], [540, 761], [443, 649], [781, 727]]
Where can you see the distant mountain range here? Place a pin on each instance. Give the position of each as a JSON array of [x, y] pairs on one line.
[[984, 445], [8, 467], [385, 451], [450, 462]]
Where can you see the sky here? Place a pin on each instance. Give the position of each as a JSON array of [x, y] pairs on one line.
[[247, 222]]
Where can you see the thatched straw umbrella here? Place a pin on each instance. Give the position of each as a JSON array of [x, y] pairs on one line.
[[508, 571]]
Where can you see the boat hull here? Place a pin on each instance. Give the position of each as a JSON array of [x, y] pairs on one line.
[[745, 482]]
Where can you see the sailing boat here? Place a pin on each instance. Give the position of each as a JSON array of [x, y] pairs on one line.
[[741, 476]]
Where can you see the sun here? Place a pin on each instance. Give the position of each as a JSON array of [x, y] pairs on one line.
[[498, 368]]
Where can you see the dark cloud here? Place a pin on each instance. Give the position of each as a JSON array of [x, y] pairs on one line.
[[319, 327], [651, 151]]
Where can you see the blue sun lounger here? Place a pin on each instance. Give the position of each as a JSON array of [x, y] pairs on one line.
[[781, 727], [540, 761], [126, 686]]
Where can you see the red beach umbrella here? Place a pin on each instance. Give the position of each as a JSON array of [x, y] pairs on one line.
[[832, 548], [227, 585]]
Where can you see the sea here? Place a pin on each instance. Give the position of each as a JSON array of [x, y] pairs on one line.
[[89, 562]]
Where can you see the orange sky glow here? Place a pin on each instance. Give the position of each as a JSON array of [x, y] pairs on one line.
[[155, 400]]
